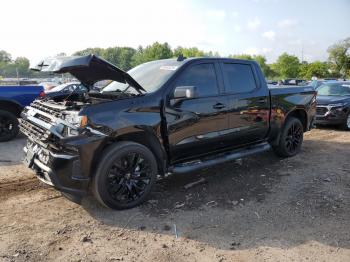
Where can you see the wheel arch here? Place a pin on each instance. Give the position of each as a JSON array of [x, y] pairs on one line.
[[300, 114], [11, 106], [142, 137]]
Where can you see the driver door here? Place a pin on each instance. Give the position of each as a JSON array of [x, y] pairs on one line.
[[194, 124]]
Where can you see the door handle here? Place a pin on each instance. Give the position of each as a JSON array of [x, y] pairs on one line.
[[219, 106]]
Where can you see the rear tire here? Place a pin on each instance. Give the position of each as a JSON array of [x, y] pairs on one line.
[[291, 138], [8, 126], [125, 175]]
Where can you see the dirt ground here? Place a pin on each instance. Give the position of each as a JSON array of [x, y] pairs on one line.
[[261, 208]]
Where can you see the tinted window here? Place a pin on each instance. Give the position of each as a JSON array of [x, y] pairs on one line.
[[82, 88], [201, 76], [240, 78]]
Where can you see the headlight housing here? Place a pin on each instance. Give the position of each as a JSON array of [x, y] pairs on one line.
[[76, 120], [337, 108]]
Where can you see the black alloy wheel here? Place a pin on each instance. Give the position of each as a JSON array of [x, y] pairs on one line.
[[125, 175], [128, 177], [294, 137], [8, 126], [291, 138]]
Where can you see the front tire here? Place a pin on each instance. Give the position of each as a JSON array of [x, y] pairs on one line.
[[125, 175], [291, 138], [8, 126]]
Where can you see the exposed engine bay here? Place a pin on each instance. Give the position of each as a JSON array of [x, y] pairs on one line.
[[46, 121], [71, 102]]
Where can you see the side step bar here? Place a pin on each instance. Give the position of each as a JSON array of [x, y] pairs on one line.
[[218, 159]]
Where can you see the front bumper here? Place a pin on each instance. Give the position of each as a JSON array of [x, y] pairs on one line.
[[62, 171], [59, 159], [321, 120], [331, 116], [69, 171]]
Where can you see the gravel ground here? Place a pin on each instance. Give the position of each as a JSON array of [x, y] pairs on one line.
[[261, 208]]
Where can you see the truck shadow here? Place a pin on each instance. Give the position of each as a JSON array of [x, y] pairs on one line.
[[260, 200], [11, 152]]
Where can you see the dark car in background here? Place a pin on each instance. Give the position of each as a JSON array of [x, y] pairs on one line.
[[294, 82], [317, 83], [333, 104], [70, 89]]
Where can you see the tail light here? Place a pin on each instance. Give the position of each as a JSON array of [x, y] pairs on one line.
[[42, 94]]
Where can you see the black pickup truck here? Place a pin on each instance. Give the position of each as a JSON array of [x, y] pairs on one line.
[[166, 116]]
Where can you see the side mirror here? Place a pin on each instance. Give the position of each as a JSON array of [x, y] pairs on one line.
[[184, 92]]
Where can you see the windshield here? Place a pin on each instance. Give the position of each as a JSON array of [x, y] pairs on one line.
[[151, 76], [334, 90]]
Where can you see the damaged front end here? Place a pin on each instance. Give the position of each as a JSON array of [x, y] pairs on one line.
[[60, 145], [61, 141]]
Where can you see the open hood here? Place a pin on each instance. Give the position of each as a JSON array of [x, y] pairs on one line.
[[87, 69]]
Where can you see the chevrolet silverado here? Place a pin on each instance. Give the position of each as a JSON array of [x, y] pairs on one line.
[[166, 116]]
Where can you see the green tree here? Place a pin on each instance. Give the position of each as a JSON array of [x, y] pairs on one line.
[[5, 57], [286, 66], [265, 68], [339, 57], [317, 68], [153, 52], [211, 54], [21, 64], [138, 57], [188, 52], [241, 56], [260, 59], [120, 56], [96, 51]]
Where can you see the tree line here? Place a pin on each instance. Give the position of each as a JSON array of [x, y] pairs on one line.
[[286, 65]]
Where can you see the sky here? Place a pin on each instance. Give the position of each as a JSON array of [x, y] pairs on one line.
[[37, 29]]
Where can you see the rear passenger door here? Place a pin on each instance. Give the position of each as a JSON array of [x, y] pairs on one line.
[[194, 125], [248, 103]]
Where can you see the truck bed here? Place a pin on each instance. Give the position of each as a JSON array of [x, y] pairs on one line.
[[23, 95]]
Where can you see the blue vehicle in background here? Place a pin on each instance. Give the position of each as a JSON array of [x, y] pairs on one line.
[[12, 100]]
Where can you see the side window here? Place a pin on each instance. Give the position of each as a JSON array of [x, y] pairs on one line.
[[71, 88], [240, 78], [203, 77], [82, 88]]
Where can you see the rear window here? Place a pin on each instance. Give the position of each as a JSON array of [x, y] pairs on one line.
[[240, 78]]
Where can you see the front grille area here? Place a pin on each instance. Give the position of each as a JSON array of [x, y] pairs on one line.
[[34, 132], [47, 109], [321, 110], [43, 118]]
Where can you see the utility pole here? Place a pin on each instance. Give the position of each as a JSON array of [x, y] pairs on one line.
[[17, 76]]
